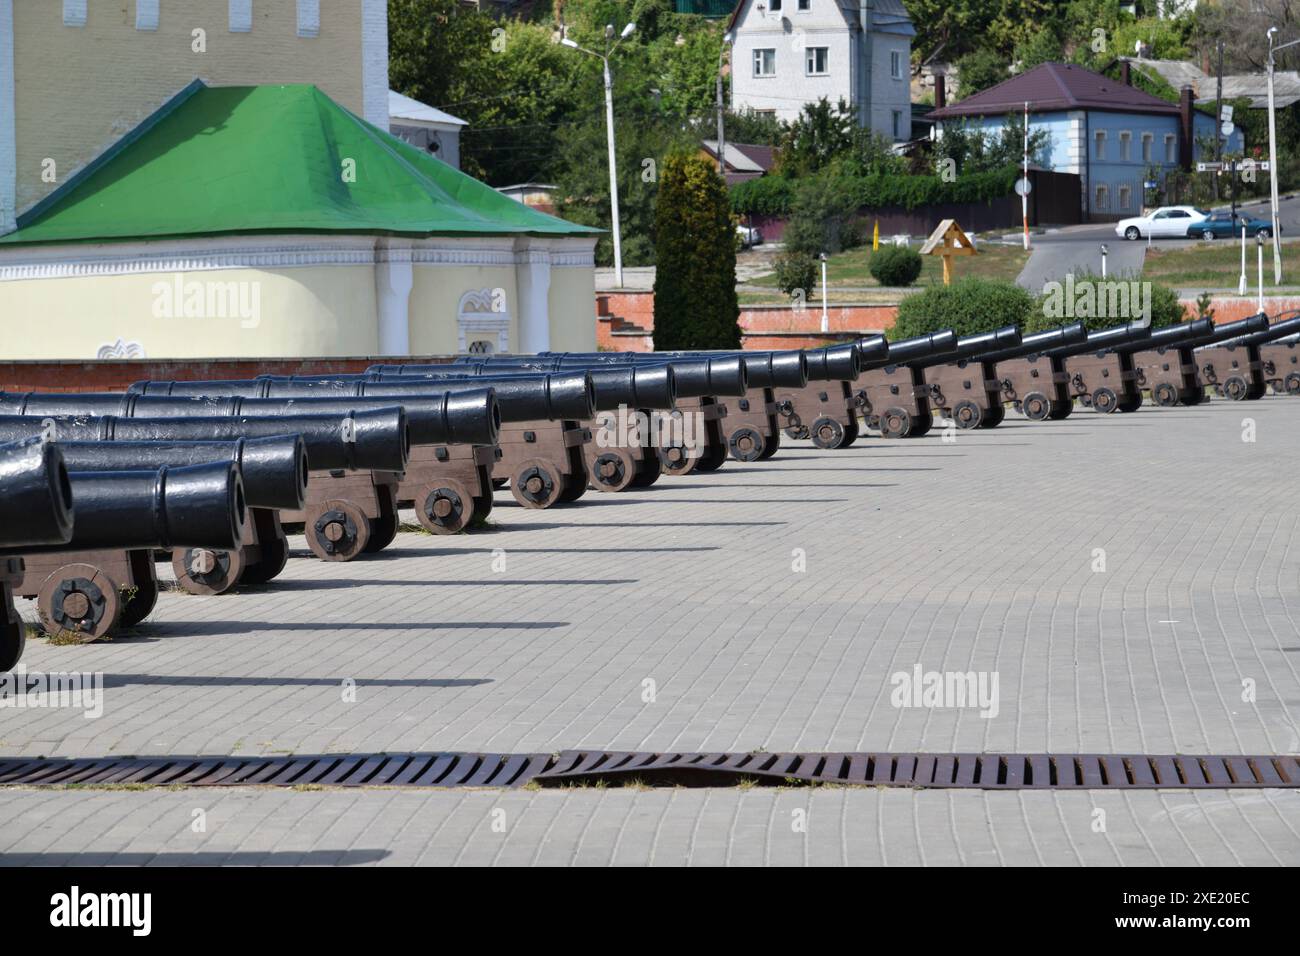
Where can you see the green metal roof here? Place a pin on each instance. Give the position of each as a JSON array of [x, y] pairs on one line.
[[270, 159]]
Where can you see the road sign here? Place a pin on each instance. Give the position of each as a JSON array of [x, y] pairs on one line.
[[1227, 128], [1226, 115], [1023, 187], [1150, 184]]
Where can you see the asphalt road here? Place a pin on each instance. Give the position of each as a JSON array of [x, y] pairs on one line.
[[1077, 249]]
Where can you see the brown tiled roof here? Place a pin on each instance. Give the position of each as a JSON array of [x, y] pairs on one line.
[[1056, 86]]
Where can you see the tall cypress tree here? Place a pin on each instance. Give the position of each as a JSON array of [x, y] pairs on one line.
[[695, 258]]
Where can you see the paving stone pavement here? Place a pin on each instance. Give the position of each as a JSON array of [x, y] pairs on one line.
[[1132, 581]]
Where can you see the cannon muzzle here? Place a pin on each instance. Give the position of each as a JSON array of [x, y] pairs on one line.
[[35, 495], [377, 440], [274, 469], [923, 348], [196, 506], [841, 363], [1135, 334]]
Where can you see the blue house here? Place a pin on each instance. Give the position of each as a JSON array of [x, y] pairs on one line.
[[1104, 131]]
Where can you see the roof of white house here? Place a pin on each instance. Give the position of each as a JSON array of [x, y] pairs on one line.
[[407, 110], [889, 16], [737, 160]]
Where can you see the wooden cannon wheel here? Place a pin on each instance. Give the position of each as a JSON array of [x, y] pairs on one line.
[[204, 571], [895, 423], [967, 414], [1164, 395], [337, 530], [536, 484], [1236, 388], [1105, 400], [827, 433], [79, 600], [444, 507], [745, 444], [613, 469]]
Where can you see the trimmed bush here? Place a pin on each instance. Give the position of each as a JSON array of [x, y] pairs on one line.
[[695, 259], [968, 306], [796, 270], [1105, 303], [895, 265], [775, 195]]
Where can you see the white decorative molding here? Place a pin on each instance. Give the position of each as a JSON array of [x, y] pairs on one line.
[[8, 134], [74, 13], [146, 14], [121, 350], [289, 251], [374, 62], [241, 16], [483, 315], [309, 18]]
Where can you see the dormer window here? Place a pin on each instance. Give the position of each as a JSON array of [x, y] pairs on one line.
[[805, 6], [774, 5]]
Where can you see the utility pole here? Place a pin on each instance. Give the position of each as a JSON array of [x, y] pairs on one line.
[[1272, 153], [722, 135], [1218, 116]]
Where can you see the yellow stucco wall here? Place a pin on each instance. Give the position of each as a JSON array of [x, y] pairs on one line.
[[436, 291], [79, 89], [572, 309], [308, 311]]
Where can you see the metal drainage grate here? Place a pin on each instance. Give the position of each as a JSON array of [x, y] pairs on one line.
[[579, 767]]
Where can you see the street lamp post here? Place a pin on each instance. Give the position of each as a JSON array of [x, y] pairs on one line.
[[1272, 153], [611, 44]]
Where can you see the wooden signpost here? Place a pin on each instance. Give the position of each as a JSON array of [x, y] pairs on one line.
[[948, 240]]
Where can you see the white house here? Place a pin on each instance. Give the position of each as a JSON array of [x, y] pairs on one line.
[[425, 126], [786, 53]]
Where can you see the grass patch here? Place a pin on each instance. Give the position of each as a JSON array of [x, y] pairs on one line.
[[850, 268], [1215, 264]]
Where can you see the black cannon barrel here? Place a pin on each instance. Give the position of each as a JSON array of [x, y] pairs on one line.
[[838, 363], [722, 374], [195, 506], [35, 494], [1249, 326], [1038, 342], [274, 469], [1278, 330], [1135, 334], [367, 440], [634, 387], [65, 403], [1182, 335], [522, 398], [244, 388], [923, 348], [787, 369], [436, 416], [977, 346]]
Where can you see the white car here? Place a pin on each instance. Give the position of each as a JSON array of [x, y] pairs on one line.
[[1165, 222], [749, 236]]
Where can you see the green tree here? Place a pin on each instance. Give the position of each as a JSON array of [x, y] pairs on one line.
[[695, 258], [979, 70], [822, 216], [820, 134]]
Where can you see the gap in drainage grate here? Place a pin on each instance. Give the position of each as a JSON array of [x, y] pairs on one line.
[[574, 768]]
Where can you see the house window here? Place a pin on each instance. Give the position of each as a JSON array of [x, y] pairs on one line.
[[1101, 202], [765, 62], [1147, 141], [898, 124], [308, 18], [241, 16], [1171, 148], [1099, 147], [895, 64], [480, 347], [814, 61], [1125, 197], [1125, 142], [775, 5], [74, 13], [146, 14], [805, 5]]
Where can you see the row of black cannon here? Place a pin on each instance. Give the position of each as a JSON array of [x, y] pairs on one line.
[[212, 474]]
